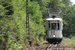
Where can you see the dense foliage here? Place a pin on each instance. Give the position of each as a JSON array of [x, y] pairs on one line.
[[13, 21]]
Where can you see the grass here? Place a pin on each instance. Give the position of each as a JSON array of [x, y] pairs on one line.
[[71, 39]]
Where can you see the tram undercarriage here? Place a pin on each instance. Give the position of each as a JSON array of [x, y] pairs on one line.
[[54, 40]]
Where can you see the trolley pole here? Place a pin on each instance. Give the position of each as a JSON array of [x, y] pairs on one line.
[[27, 22]]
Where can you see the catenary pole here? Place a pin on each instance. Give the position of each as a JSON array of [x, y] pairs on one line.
[[27, 22]]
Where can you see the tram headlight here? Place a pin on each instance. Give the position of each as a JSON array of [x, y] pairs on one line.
[[53, 35]]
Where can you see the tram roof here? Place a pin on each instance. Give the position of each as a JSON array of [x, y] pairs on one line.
[[54, 19]]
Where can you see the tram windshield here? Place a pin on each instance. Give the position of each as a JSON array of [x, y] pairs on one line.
[[55, 26]]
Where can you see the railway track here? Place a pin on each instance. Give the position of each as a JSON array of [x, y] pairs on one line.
[[58, 48], [55, 47]]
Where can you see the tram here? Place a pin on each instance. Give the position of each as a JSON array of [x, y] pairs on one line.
[[54, 27]]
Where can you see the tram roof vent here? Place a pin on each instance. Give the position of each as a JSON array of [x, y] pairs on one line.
[[53, 16]]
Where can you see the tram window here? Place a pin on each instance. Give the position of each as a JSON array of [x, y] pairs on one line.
[[58, 25], [49, 25], [55, 26]]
